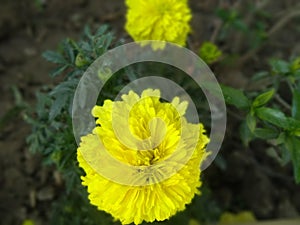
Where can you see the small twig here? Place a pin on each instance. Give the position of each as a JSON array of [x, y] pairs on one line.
[[237, 116], [283, 21], [266, 170], [271, 32], [217, 27], [248, 20], [216, 31], [282, 102]]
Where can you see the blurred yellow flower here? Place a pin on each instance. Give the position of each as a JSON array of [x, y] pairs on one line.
[[209, 52], [194, 222], [162, 20], [241, 217], [164, 159], [28, 222]]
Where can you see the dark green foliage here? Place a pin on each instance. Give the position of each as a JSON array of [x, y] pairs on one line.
[[52, 133], [235, 97], [272, 122]]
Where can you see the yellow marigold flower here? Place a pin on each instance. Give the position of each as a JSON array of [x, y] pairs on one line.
[[164, 159], [162, 20]]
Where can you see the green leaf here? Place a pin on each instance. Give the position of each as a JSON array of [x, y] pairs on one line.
[[43, 102], [260, 75], [69, 50], [101, 30], [57, 106], [278, 118], [266, 133], [58, 70], [279, 66], [292, 144], [67, 87], [296, 104], [285, 155], [273, 116], [240, 25], [245, 134], [224, 14], [263, 98], [235, 97], [293, 125], [54, 57], [295, 65], [251, 122], [87, 32]]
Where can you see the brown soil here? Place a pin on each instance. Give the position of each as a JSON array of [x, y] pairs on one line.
[[28, 188]]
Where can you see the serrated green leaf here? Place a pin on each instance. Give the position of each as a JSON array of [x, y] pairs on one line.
[[69, 50], [57, 106], [296, 105], [263, 98], [292, 144], [43, 101], [84, 45], [273, 116], [101, 30], [279, 66], [235, 97], [63, 88], [58, 70], [87, 32], [54, 57], [266, 133]]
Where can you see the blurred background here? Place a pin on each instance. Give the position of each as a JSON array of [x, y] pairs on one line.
[[241, 179]]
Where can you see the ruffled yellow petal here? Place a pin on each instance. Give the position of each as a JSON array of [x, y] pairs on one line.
[[166, 20], [164, 161]]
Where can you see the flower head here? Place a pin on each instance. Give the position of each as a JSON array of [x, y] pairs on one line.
[[162, 20], [142, 161]]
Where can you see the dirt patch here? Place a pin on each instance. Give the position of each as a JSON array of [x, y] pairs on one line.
[[28, 188]]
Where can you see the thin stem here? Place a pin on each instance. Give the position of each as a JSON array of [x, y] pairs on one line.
[[216, 31], [280, 23], [283, 21], [248, 20], [237, 116], [282, 102]]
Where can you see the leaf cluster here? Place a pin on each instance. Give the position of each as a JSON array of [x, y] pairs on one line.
[[269, 116], [52, 134]]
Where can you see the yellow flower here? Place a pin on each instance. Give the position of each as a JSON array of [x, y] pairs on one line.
[[162, 20], [209, 52], [194, 222], [158, 151]]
